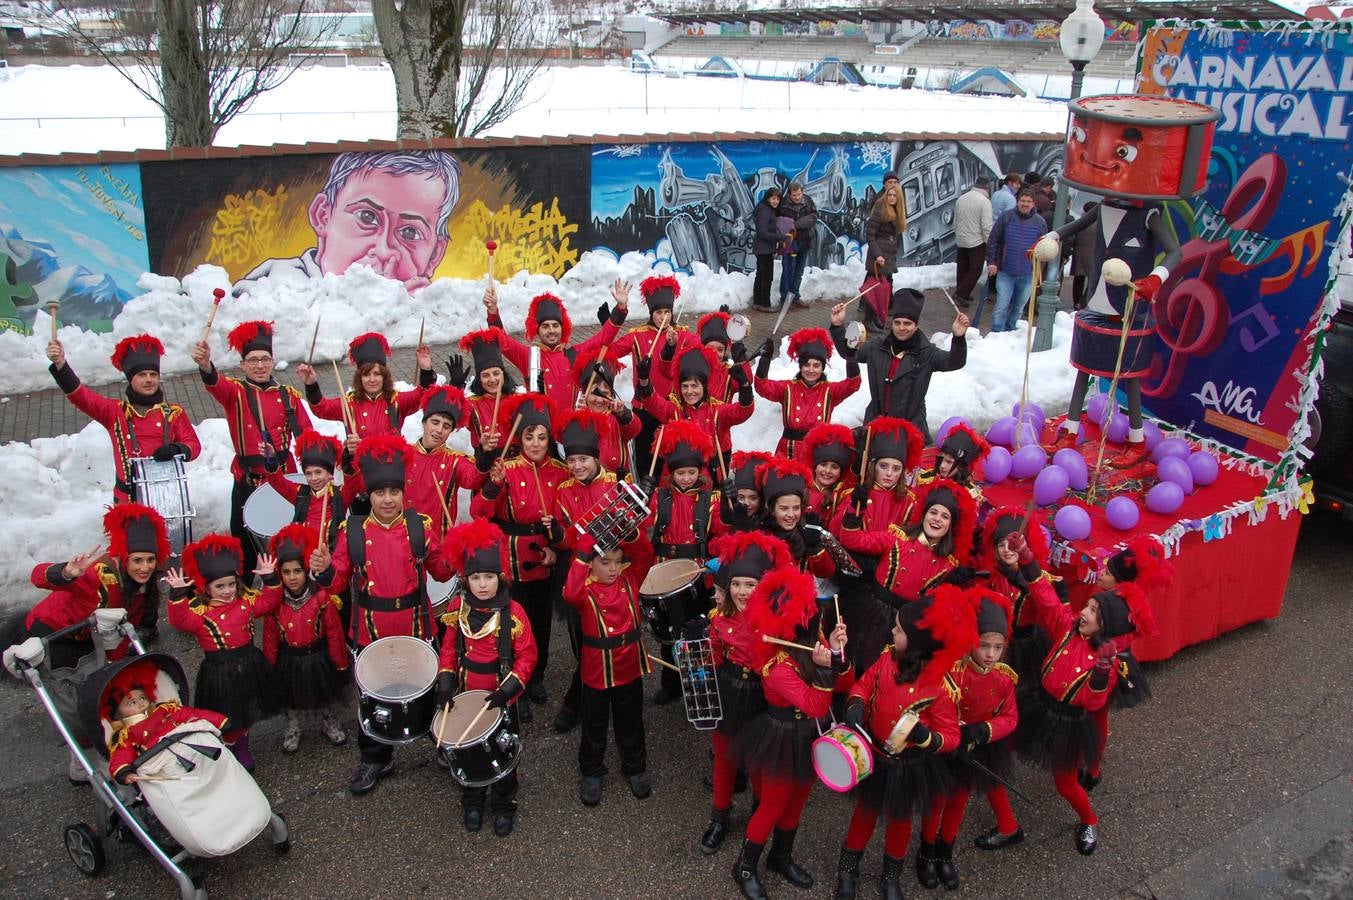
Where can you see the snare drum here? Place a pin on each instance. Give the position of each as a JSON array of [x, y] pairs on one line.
[[163, 486], [842, 758], [488, 752], [673, 593], [394, 682], [266, 512], [440, 594]]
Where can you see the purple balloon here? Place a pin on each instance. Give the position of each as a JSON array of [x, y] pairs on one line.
[[947, 426], [1153, 435], [1094, 409], [1118, 428], [1077, 471], [1034, 412], [1026, 433], [1204, 467], [1073, 523], [1002, 431], [1050, 485], [1176, 469], [1165, 498], [1170, 447], [1122, 513], [1028, 461], [996, 467]]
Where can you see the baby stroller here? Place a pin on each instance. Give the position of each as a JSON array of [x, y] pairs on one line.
[[194, 798]]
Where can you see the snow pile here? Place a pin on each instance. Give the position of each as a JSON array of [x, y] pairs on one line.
[[360, 301]]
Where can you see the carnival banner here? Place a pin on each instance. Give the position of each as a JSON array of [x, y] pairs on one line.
[[1235, 320]]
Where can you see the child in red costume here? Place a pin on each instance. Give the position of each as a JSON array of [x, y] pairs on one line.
[[830, 451], [906, 702], [139, 722], [692, 401], [892, 449], [808, 398], [784, 490], [317, 503]]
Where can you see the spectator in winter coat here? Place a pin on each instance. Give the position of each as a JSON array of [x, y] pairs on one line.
[[800, 207], [1012, 237], [1041, 185], [887, 220], [1004, 198], [765, 242], [972, 224]]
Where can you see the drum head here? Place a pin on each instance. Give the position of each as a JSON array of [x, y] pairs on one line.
[[396, 668], [833, 764], [855, 334], [468, 705], [669, 577], [267, 512], [440, 593], [738, 327]]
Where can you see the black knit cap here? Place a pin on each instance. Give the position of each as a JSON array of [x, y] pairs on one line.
[[368, 349], [486, 560], [991, 618], [579, 436], [548, 310], [906, 304], [753, 562], [744, 476], [487, 354], [1114, 619], [1005, 526], [141, 535], [778, 484], [217, 562], [838, 452]]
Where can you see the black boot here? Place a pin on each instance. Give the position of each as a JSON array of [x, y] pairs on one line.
[[847, 874], [994, 840], [926, 871], [744, 871], [1087, 839], [715, 833], [781, 860], [889, 878], [944, 865]]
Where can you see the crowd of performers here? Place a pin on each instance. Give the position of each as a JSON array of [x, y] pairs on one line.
[[940, 637]]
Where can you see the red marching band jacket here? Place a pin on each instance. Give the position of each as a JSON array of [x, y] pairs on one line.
[[720, 384], [987, 697], [615, 450], [556, 363], [907, 566], [372, 416], [884, 507], [135, 432], [526, 496], [610, 618], [314, 620], [574, 500], [886, 701], [245, 404], [1067, 669], [436, 474], [226, 627], [711, 416], [98, 587], [829, 504], [801, 406], [479, 668], [732, 640], [132, 740], [639, 343], [784, 686], [677, 537]]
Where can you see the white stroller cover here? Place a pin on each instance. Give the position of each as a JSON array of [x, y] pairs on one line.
[[213, 808]]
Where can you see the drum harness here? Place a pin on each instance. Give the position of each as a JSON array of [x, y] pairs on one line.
[[123, 440], [335, 509], [502, 666], [357, 555], [699, 549]]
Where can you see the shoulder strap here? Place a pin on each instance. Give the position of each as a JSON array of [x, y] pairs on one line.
[[664, 517], [417, 536], [302, 511], [703, 503], [505, 623], [289, 410], [357, 542]]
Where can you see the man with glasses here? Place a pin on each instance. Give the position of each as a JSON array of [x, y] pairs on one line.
[[263, 417]]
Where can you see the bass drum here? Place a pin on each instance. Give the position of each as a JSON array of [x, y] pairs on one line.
[[480, 745], [394, 682]]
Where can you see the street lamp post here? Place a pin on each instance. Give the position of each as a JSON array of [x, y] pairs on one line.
[[1081, 39]]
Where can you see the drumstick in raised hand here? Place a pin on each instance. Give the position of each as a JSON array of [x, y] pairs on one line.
[[775, 640], [310, 360], [951, 301], [864, 457], [343, 400], [657, 442]]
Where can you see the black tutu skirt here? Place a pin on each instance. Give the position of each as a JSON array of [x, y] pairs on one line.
[[741, 697], [1057, 736], [869, 619], [239, 684], [1029, 647], [1132, 689], [906, 783], [308, 677], [996, 757], [777, 745]]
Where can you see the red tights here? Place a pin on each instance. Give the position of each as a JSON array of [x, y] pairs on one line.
[[1069, 786], [780, 802], [897, 832], [946, 829], [725, 769], [1100, 720]]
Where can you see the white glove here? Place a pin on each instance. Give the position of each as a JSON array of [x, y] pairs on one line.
[[108, 626], [30, 652]]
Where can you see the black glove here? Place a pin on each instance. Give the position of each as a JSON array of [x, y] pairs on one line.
[[919, 734], [739, 376], [457, 373], [798, 548], [960, 576], [852, 521], [725, 308], [695, 629], [973, 733], [603, 313], [855, 714], [729, 487], [646, 485], [738, 351], [859, 497], [643, 367], [167, 452], [446, 689], [767, 348], [812, 539]]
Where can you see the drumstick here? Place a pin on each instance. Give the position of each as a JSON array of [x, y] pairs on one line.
[[497, 399], [864, 456], [836, 602], [491, 245], [540, 489], [511, 433], [591, 379], [324, 520], [662, 662], [718, 451], [310, 360], [951, 301], [853, 299], [343, 399], [52, 307], [477, 716], [657, 445], [217, 295], [158, 777], [775, 640], [422, 324], [441, 729], [656, 341]]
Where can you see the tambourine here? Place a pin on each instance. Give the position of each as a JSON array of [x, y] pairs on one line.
[[738, 327], [856, 334]]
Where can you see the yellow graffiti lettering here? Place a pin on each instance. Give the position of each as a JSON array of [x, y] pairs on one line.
[[245, 227], [538, 239]]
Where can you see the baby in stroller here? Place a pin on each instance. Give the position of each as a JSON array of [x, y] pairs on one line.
[[139, 722]]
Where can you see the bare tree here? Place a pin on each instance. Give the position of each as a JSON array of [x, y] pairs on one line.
[[203, 62], [461, 66]]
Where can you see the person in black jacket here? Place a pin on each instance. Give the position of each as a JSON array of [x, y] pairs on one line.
[[800, 207], [902, 360], [764, 244]]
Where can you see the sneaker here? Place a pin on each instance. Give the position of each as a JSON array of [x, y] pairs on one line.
[[1087, 839], [565, 720], [589, 790], [366, 776], [994, 840], [75, 773], [334, 731], [291, 738], [640, 786], [474, 819], [503, 822]]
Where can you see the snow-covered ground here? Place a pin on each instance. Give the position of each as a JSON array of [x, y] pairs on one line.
[[53, 498], [67, 109]]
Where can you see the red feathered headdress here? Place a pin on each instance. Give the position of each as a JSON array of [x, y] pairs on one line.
[[784, 602], [887, 432], [780, 469], [829, 434], [298, 536], [716, 316], [1143, 563], [1000, 523], [387, 448], [535, 409], [533, 320], [467, 543], [141, 674], [484, 336], [1140, 613], [654, 283], [323, 448], [684, 431], [134, 528], [735, 545], [362, 339], [447, 401], [980, 446], [743, 467], [582, 369], [143, 344], [952, 623], [577, 425], [962, 510], [198, 557], [977, 594], [809, 336], [246, 333]]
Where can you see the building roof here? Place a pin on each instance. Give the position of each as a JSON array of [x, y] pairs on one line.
[[997, 10]]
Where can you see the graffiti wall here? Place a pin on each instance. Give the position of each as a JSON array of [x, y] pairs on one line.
[[72, 235], [1235, 320], [689, 203], [413, 215]]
